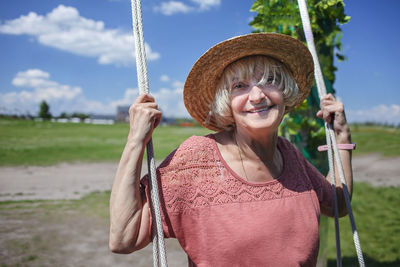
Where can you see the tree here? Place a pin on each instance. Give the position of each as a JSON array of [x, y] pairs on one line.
[[64, 115], [81, 116], [283, 16], [44, 111]]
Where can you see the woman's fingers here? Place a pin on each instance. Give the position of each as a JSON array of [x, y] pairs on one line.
[[140, 106], [332, 111], [336, 107], [142, 103], [144, 116], [142, 98]]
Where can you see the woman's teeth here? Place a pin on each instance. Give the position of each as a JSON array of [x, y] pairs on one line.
[[260, 110]]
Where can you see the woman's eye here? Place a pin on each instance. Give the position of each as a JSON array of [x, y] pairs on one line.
[[270, 80], [238, 86]]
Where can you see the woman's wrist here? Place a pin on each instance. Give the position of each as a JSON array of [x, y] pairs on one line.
[[344, 135], [343, 138]]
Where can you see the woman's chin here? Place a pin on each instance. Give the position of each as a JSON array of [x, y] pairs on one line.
[[259, 122], [260, 126]]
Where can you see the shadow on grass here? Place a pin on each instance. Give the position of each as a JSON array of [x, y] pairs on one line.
[[370, 262]]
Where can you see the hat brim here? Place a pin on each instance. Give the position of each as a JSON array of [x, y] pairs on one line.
[[200, 85]]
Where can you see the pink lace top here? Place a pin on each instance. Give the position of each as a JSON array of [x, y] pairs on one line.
[[220, 219]]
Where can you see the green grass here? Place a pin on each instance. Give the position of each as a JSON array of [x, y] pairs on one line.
[[94, 204], [377, 216], [46, 143], [376, 139]]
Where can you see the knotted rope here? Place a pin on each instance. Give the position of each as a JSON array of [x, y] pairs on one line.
[[159, 255], [330, 141]]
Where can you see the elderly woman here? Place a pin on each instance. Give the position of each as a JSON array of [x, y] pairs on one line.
[[243, 196]]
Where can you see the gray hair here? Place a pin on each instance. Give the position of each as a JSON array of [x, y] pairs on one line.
[[246, 68]]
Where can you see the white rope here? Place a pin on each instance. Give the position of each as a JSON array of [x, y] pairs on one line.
[[159, 255], [330, 136], [335, 203]]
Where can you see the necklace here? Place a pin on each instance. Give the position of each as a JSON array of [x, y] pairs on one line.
[[240, 155]]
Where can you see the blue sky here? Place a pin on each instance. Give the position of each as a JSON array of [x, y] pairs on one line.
[[78, 55]]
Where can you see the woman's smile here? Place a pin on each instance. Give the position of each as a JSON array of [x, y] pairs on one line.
[[260, 110]]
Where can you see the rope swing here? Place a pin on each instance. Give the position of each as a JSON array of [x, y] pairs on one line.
[[159, 254], [330, 141]]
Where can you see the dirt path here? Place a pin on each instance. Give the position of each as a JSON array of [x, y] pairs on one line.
[[62, 181], [376, 170], [72, 181], [55, 238]]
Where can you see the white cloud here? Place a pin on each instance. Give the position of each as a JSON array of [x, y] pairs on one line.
[[37, 85], [178, 85], [164, 78], [44, 89], [207, 4], [129, 97], [174, 7], [170, 101], [379, 114], [63, 28]]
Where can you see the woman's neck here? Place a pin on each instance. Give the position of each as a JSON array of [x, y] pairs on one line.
[[262, 147]]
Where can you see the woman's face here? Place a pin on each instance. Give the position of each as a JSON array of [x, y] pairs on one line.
[[257, 106]]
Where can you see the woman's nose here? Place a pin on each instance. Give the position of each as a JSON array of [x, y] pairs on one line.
[[256, 94]]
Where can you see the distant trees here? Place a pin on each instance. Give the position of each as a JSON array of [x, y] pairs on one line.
[[44, 111], [81, 116], [64, 115]]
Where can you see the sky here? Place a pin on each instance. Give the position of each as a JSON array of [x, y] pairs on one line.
[[78, 55]]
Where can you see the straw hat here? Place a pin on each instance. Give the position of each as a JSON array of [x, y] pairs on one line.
[[200, 85]]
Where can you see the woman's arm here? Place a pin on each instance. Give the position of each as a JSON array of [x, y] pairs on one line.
[[129, 212], [332, 111]]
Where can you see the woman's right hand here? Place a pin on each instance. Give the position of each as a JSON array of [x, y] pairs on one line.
[[129, 210], [144, 117]]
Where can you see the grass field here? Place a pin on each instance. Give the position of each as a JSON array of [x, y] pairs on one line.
[[377, 218], [46, 143], [376, 139]]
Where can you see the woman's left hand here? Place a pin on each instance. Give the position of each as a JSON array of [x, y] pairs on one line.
[[332, 111]]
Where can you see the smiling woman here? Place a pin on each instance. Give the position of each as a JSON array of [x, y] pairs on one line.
[[243, 190]]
